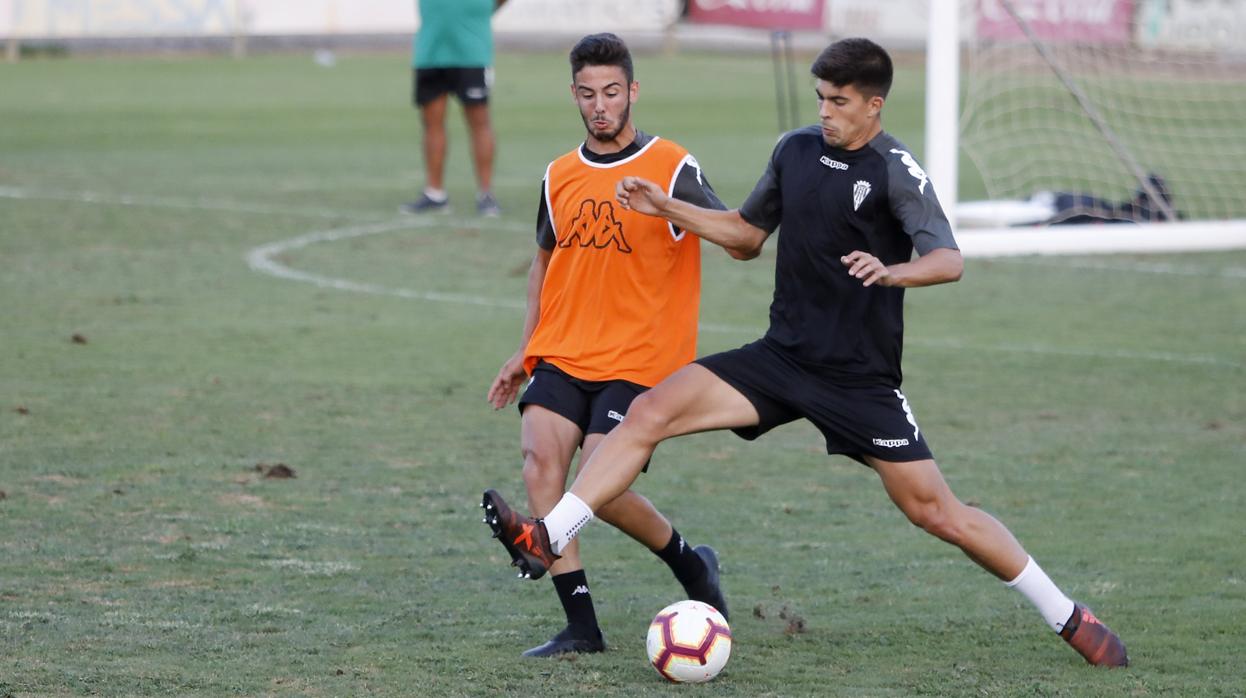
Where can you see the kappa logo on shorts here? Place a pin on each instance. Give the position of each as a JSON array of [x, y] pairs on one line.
[[596, 226], [476, 93], [891, 443], [615, 416]]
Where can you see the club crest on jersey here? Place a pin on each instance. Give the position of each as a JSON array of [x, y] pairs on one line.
[[914, 169], [860, 190], [596, 226]]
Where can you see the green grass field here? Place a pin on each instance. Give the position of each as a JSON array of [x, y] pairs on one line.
[[1094, 404]]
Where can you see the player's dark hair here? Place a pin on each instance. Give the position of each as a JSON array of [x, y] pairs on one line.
[[601, 49], [858, 62]]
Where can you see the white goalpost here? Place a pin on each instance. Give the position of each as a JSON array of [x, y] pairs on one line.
[[1097, 126]]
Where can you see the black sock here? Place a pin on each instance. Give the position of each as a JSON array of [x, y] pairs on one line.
[[688, 567], [577, 602]]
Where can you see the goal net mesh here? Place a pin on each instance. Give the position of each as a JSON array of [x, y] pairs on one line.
[[1118, 94]]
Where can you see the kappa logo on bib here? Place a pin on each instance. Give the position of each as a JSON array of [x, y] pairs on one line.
[[596, 226]]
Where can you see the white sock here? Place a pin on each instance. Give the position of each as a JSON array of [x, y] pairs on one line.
[[1035, 585], [437, 195], [566, 520]]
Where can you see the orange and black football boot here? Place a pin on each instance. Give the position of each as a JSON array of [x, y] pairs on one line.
[[1094, 640], [524, 537]]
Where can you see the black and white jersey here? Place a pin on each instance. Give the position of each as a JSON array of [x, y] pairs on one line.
[[690, 185], [828, 202]]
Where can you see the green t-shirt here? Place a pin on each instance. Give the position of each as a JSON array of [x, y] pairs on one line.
[[454, 34]]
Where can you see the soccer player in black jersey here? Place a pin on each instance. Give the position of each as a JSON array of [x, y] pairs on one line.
[[853, 204]]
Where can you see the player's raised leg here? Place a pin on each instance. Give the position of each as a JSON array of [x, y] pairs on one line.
[[696, 568], [919, 490], [692, 399]]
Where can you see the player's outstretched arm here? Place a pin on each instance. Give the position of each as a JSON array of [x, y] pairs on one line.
[[505, 387], [939, 266], [724, 228]]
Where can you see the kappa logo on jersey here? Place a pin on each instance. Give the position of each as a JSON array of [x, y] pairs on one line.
[[596, 226], [860, 190], [833, 164], [914, 169]]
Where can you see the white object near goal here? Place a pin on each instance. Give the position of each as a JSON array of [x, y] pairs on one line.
[[1099, 110]]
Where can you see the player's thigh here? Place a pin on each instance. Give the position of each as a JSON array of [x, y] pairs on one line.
[[692, 399], [433, 114], [548, 439], [477, 118], [916, 487]]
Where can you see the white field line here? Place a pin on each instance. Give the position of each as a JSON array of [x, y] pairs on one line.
[[261, 260], [1185, 236], [1128, 267], [1164, 356], [88, 197]]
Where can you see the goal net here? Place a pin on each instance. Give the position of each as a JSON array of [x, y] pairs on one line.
[[1094, 110]]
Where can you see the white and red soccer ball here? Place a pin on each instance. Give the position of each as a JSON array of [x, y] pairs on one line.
[[689, 642]]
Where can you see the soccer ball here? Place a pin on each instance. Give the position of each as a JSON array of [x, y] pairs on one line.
[[689, 642]]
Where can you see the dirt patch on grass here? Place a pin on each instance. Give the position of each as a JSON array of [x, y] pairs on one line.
[[60, 479], [244, 500], [276, 471]]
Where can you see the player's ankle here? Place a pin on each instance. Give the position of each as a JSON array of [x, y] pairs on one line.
[[565, 521]]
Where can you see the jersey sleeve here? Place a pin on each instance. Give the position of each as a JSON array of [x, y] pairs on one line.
[[545, 235], [691, 185], [764, 206], [914, 204]]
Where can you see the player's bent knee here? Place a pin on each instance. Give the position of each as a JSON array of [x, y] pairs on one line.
[[935, 519], [542, 471], [647, 420]]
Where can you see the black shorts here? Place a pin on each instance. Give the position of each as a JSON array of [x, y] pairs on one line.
[[470, 85], [857, 419], [595, 407]]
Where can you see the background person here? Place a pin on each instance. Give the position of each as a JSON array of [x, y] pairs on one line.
[[454, 54]]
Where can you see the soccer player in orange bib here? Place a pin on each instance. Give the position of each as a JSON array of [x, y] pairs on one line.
[[613, 300]]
